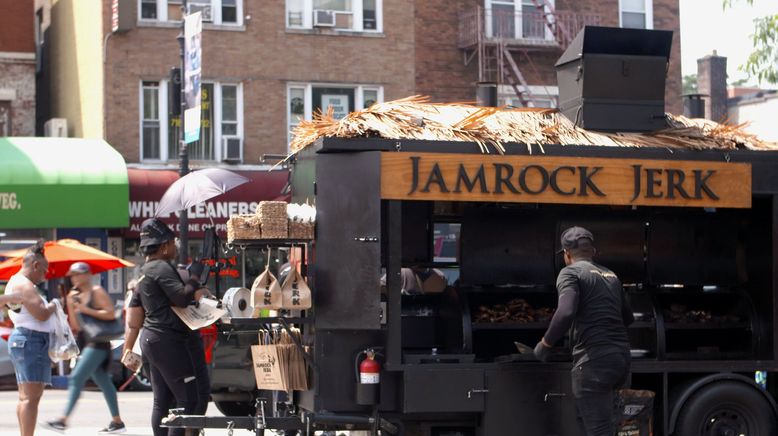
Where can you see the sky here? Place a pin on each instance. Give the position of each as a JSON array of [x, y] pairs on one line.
[[706, 26]]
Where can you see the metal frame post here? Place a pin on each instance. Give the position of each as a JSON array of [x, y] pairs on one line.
[[394, 282], [183, 151]]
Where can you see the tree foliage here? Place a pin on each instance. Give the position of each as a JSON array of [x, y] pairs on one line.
[[762, 63], [689, 85]]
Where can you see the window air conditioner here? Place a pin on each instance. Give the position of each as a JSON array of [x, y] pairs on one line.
[[56, 127], [198, 7], [232, 148], [323, 18]]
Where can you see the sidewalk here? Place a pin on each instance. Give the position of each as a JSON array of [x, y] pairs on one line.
[[91, 414]]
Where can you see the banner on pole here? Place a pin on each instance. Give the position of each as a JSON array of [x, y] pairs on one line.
[[193, 30]]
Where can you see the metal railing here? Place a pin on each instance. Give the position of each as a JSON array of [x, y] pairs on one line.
[[521, 28]]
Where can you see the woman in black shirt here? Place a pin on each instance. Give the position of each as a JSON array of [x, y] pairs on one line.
[[174, 351]]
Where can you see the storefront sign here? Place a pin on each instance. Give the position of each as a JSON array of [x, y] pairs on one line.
[[543, 179], [148, 186], [115, 283], [8, 201], [61, 183]]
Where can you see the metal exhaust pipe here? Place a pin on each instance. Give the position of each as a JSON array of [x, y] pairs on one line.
[[486, 94]]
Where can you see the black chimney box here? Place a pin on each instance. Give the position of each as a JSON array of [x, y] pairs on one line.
[[613, 79]]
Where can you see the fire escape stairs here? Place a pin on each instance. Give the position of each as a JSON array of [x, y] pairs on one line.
[[511, 72], [497, 60], [552, 24]]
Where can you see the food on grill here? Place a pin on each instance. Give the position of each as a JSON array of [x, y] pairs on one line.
[[516, 310], [680, 314]]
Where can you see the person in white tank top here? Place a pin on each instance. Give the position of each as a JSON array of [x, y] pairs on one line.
[[28, 344], [19, 314]]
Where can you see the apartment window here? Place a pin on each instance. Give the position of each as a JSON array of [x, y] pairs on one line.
[[224, 12], [636, 14], [229, 11], [306, 99], [203, 149], [296, 99], [516, 19], [229, 104], [150, 121], [370, 97], [350, 15], [369, 15], [221, 118], [148, 9]]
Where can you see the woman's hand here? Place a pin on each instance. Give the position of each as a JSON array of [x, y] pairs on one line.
[[131, 360], [202, 292], [75, 305]]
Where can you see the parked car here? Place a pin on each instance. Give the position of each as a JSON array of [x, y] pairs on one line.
[[6, 367]]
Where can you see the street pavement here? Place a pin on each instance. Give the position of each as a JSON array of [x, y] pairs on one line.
[[91, 413]]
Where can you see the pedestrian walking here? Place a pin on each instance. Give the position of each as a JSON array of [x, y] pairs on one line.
[[28, 344], [592, 302], [93, 301], [174, 352]]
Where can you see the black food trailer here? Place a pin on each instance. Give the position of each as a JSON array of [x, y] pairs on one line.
[[693, 235]]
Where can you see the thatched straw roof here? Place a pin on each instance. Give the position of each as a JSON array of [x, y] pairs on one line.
[[493, 128]]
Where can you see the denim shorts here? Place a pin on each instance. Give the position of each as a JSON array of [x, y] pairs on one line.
[[29, 351]]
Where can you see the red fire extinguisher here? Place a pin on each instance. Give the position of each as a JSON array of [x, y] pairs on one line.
[[369, 378], [369, 369]]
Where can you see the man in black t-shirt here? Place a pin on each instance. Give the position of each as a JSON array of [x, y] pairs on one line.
[[592, 302]]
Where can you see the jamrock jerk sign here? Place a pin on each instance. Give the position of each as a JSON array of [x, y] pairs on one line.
[[571, 180]]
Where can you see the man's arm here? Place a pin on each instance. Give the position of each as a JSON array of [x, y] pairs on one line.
[[12, 298], [563, 318], [33, 302]]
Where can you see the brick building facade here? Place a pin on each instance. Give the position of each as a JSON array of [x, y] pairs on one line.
[[271, 65], [442, 70], [268, 64], [17, 68]]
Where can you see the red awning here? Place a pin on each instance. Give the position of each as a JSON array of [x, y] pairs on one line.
[[148, 186]]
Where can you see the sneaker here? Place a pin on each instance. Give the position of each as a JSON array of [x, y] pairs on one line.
[[113, 428], [56, 425]]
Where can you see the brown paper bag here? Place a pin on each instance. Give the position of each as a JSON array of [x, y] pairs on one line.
[[297, 370], [296, 295], [265, 292], [267, 366], [299, 377]]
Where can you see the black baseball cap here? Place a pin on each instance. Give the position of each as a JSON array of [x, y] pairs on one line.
[[155, 232], [571, 236]]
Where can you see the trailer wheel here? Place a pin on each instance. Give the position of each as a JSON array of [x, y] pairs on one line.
[[726, 408], [236, 408]]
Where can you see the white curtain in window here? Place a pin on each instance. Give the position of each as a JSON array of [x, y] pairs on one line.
[[335, 5]]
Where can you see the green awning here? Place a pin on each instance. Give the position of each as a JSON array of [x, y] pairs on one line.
[[62, 182]]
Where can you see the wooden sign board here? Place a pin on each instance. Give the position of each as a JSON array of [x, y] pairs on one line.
[[564, 180]]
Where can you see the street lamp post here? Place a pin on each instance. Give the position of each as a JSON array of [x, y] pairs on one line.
[[183, 151]]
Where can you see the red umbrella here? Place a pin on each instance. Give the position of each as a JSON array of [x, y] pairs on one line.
[[61, 254]]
